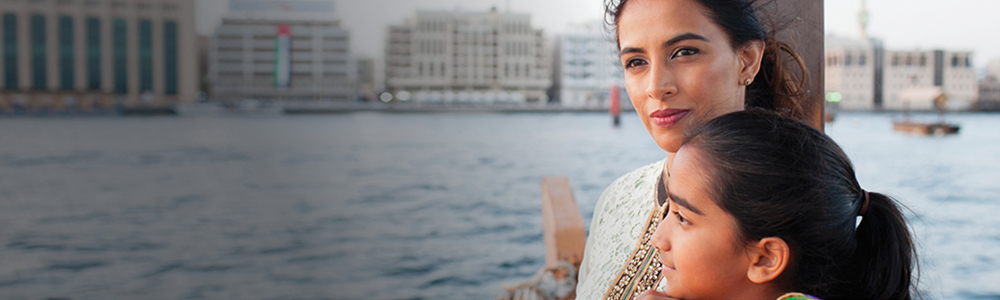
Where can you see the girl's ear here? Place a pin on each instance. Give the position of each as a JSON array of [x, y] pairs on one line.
[[768, 259]]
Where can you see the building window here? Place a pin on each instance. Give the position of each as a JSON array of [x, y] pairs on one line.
[[861, 60], [847, 59], [968, 61], [909, 60], [923, 60], [66, 68], [119, 53], [954, 61], [10, 51], [38, 57], [170, 57], [94, 53], [145, 55], [895, 59]]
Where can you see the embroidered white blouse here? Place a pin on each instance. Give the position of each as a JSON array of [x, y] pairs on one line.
[[615, 229]]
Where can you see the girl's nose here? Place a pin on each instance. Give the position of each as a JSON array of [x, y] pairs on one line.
[[661, 237]]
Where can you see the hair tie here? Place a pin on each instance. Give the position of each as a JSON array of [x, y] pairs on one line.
[[864, 206]]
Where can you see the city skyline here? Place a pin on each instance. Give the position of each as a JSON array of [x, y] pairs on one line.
[[961, 24]]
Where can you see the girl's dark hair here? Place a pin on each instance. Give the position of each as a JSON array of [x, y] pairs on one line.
[[782, 178], [774, 88]]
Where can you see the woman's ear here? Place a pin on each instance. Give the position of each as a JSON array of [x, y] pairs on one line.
[[750, 55], [769, 257]]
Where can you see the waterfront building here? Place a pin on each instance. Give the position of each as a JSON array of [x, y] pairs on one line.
[[272, 50], [989, 93], [861, 74], [478, 57], [585, 67], [68, 54], [850, 72], [951, 71], [865, 76]]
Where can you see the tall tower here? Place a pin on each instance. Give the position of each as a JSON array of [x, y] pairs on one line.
[[863, 20]]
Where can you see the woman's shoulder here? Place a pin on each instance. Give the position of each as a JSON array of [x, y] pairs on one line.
[[638, 183], [645, 174]]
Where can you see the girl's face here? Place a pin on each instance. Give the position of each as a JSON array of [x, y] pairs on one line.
[[680, 70], [699, 249]]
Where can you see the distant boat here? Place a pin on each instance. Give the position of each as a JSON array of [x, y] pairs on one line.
[[939, 128], [936, 129]]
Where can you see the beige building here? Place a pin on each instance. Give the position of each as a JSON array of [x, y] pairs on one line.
[[865, 76], [475, 57], [949, 70], [63, 54], [270, 50], [850, 71]]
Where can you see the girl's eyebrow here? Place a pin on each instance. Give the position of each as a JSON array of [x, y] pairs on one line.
[[685, 204]]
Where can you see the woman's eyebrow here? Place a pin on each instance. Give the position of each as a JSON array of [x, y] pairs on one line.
[[683, 37], [630, 50], [667, 44], [685, 204]]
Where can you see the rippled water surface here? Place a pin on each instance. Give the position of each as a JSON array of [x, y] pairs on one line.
[[391, 206]]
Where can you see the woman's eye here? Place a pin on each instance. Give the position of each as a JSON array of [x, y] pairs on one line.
[[685, 52], [635, 62]]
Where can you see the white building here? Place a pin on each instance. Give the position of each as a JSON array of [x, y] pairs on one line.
[[950, 70], [868, 77], [473, 57], [850, 71], [63, 54], [586, 66], [862, 75], [273, 50]]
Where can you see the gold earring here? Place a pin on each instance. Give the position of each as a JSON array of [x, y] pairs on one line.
[[747, 82]]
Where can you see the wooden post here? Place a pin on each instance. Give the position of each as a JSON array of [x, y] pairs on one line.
[[801, 26], [562, 222]]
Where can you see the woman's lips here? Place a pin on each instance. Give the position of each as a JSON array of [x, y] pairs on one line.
[[667, 117]]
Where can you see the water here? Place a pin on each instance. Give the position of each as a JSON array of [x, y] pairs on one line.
[[391, 206]]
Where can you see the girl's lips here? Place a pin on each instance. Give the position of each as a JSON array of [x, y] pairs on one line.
[[665, 269], [667, 117]]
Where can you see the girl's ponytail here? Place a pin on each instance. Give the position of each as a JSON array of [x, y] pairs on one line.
[[884, 258]]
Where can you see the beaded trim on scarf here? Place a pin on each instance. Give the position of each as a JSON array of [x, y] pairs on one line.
[[642, 272]]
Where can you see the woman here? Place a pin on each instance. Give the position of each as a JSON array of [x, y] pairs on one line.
[[686, 62]]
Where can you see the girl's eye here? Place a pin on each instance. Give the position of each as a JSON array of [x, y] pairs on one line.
[[633, 63], [685, 52], [680, 218]]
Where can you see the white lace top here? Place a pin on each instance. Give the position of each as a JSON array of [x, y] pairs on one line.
[[615, 229]]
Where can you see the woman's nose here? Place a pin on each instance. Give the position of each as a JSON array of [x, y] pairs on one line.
[[661, 83]]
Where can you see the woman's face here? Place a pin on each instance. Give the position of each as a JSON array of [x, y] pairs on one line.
[[697, 240], [680, 70]]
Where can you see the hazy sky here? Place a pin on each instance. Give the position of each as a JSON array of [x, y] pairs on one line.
[[902, 24]]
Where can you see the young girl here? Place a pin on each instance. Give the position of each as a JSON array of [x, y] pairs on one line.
[[764, 207]]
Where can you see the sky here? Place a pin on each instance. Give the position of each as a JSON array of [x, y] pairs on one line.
[[901, 24]]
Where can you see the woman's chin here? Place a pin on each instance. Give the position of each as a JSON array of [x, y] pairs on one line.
[[669, 144]]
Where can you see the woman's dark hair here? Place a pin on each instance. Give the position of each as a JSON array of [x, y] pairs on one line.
[[773, 88], [782, 178]]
